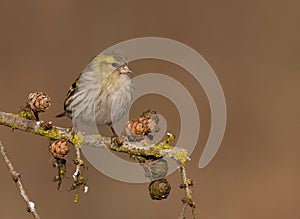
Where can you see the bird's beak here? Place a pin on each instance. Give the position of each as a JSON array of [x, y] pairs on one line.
[[124, 69]]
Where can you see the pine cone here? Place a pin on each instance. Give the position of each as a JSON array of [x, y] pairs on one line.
[[159, 189], [38, 102], [138, 127], [157, 169], [141, 126], [59, 148]]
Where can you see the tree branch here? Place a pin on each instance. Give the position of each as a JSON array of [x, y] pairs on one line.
[[139, 149], [16, 177], [79, 138], [187, 200]]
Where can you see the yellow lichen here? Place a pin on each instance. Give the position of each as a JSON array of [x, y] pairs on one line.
[[181, 156], [76, 139], [27, 113], [165, 144], [162, 146], [12, 125], [51, 133], [24, 114]]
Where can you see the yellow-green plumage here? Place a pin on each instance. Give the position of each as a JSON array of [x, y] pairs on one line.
[[103, 91]]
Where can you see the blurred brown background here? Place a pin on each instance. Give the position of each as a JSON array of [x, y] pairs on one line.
[[253, 46]]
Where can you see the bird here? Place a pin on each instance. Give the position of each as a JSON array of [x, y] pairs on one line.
[[102, 93]]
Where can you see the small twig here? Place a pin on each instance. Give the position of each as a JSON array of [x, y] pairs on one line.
[[78, 162], [187, 200], [78, 178], [17, 180], [182, 212]]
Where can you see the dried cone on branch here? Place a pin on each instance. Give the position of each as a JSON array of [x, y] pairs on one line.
[[142, 126], [157, 169], [159, 189], [59, 148], [38, 102]]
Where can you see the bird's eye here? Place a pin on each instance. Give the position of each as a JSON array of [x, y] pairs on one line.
[[115, 65]]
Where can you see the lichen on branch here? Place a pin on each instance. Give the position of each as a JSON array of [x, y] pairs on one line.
[[79, 138], [133, 142]]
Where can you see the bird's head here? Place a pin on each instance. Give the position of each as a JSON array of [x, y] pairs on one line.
[[111, 62]]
